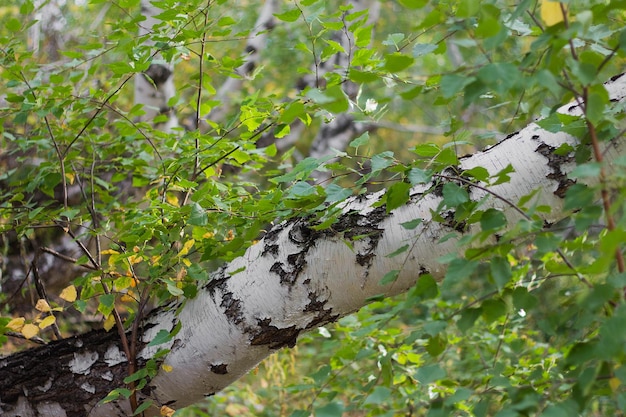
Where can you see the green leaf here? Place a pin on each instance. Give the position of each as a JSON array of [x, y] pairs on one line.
[[412, 224], [523, 300], [426, 150], [577, 196], [419, 176], [453, 84], [423, 48], [397, 195], [302, 189], [335, 193], [13, 25], [380, 395], [458, 270], [106, 304], [468, 318], [595, 106], [142, 407], [492, 219], [500, 271], [398, 251], [173, 289], [430, 373], [426, 287], [396, 62], [334, 409], [332, 99], [453, 195], [394, 39], [436, 345], [291, 112], [381, 161], [115, 394], [288, 16], [588, 170], [492, 310], [198, 216], [414, 4], [360, 141], [163, 336], [389, 277]]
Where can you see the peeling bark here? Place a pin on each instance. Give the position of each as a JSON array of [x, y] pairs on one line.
[[293, 280]]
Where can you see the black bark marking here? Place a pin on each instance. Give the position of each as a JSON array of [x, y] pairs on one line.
[[232, 307], [159, 74], [274, 337], [219, 368], [269, 241], [355, 226], [324, 315], [452, 223], [535, 137], [555, 162], [305, 238]]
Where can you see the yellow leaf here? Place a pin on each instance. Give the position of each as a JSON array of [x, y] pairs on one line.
[[16, 324], [172, 199], [185, 250], [30, 330], [42, 305], [614, 383], [167, 368], [48, 321], [110, 252], [69, 294], [135, 259], [127, 298], [166, 411], [187, 262], [109, 323], [551, 12]]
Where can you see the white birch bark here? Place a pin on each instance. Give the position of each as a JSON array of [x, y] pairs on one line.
[[47, 34], [293, 280], [155, 87]]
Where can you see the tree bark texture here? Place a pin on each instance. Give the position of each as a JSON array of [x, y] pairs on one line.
[[295, 279]]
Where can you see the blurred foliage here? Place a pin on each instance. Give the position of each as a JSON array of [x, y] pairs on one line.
[[530, 325]]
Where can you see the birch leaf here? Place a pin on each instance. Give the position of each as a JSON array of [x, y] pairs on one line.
[[69, 294], [551, 12], [43, 306], [30, 330], [109, 322], [16, 324], [47, 322]]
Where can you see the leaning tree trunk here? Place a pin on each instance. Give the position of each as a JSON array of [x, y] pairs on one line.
[[295, 279], [155, 87]]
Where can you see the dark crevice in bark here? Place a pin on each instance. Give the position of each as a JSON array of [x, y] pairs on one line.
[[274, 337], [555, 161], [73, 372]]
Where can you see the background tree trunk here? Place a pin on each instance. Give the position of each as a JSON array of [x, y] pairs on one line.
[[295, 279], [155, 87]]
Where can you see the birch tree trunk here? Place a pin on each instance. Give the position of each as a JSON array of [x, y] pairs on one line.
[[254, 47], [155, 87], [295, 279]]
